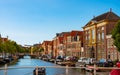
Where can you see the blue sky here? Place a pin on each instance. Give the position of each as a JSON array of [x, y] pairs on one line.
[[32, 21]]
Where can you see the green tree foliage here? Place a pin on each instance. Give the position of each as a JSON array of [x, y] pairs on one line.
[[116, 35], [41, 49], [10, 47], [37, 49]]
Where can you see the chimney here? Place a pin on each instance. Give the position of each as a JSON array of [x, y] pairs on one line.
[[0, 36], [110, 9], [7, 37]]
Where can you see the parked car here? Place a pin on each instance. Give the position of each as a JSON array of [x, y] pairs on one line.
[[81, 62], [105, 63], [59, 59], [46, 57], [90, 61], [87, 60], [82, 59], [67, 58]]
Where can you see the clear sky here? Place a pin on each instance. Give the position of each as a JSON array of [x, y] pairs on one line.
[[32, 21]]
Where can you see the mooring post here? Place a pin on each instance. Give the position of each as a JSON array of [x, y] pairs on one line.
[[94, 69], [36, 70], [5, 72], [66, 69]]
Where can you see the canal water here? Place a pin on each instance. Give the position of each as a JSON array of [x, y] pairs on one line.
[[27, 61]]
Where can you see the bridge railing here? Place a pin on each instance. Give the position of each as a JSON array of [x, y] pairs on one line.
[[90, 68]]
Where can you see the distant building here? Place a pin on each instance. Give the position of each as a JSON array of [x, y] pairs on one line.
[[68, 43], [50, 48], [3, 39], [74, 43], [59, 44], [45, 46]]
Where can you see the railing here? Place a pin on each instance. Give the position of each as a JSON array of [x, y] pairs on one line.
[[93, 68]]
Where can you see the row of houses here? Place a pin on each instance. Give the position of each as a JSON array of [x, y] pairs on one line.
[[3, 39], [93, 41]]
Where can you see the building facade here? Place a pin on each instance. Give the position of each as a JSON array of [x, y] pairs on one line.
[[95, 34], [68, 43], [112, 51], [59, 44], [74, 43], [45, 46]]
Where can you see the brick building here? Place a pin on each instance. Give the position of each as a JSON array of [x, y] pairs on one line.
[[68, 43], [59, 44], [74, 43], [45, 45]]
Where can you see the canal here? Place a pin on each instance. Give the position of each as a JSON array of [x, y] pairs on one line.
[[26, 61]]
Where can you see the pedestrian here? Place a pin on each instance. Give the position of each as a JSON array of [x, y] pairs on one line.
[[116, 71]]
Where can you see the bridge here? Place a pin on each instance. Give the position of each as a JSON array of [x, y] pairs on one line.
[[93, 68]]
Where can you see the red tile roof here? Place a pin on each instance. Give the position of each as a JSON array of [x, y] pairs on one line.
[[75, 33]]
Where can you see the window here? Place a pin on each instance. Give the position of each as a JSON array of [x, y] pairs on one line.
[[102, 28], [98, 36], [93, 34], [69, 39], [78, 38], [75, 38], [102, 36], [86, 38]]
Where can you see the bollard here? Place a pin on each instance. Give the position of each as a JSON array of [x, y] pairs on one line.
[[36, 70], [94, 69], [66, 69], [5, 72]]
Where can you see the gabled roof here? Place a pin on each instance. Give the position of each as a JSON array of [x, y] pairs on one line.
[[60, 39], [62, 34], [109, 16], [106, 16], [46, 42], [74, 33]]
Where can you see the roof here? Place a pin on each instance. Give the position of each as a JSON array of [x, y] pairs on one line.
[[109, 16], [46, 42], [4, 39], [106, 16], [62, 34], [60, 39], [74, 33]]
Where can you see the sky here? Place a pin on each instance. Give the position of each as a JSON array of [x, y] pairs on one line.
[[32, 21]]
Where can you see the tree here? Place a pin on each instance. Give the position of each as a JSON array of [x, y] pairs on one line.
[[41, 49], [10, 47], [116, 35]]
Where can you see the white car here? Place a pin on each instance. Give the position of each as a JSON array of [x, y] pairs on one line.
[[82, 59], [90, 61], [87, 60]]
